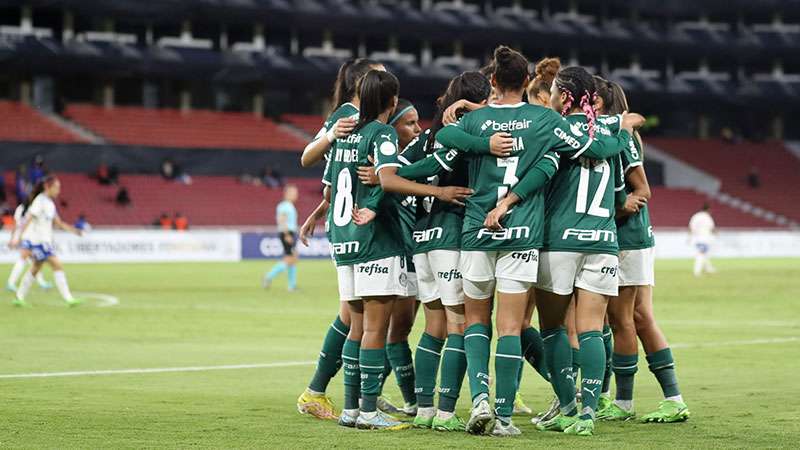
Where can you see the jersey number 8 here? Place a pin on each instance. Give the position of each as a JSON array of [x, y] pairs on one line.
[[343, 202]]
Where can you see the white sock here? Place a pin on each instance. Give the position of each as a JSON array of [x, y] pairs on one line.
[[444, 415], [627, 405], [16, 271], [40, 279], [707, 264], [675, 398], [313, 392], [25, 285], [61, 283], [369, 415], [351, 412], [429, 411], [698, 265]]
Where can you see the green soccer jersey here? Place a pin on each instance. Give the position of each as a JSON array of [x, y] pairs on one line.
[[438, 225], [536, 131], [634, 232], [579, 212], [354, 244], [344, 111]]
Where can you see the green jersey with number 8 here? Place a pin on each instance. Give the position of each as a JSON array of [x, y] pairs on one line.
[[579, 213], [352, 244]]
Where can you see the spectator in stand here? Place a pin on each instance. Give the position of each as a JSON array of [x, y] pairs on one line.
[[123, 197], [38, 170], [163, 221], [7, 220], [106, 175], [82, 224], [22, 187], [172, 171], [753, 178], [272, 178], [181, 222]]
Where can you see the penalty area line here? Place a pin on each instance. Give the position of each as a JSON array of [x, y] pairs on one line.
[[155, 370]]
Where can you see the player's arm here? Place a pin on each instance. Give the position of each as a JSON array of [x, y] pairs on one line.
[[65, 226], [315, 151], [307, 230], [601, 147], [534, 179], [635, 179], [451, 113], [460, 136], [15, 238]]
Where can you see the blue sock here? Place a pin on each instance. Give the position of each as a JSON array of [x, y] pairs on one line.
[[280, 267], [292, 277]]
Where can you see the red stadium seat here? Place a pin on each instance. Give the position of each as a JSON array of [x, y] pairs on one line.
[[674, 207], [20, 122]]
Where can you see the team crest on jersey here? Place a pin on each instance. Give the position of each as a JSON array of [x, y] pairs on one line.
[[403, 279], [387, 148]]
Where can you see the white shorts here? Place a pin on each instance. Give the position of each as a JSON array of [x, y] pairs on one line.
[[412, 286], [637, 267], [561, 272], [438, 277], [377, 278], [515, 272]]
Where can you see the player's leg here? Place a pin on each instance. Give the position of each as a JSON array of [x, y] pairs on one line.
[[605, 396], [17, 270], [477, 268], [699, 259], [398, 352], [26, 283], [625, 355], [660, 361], [291, 270], [60, 279], [572, 334], [351, 352], [281, 266], [426, 361], [532, 351]]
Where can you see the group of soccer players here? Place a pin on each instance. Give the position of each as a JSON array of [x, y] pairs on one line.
[[527, 192]]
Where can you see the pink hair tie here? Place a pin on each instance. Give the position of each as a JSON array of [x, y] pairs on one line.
[[588, 109]]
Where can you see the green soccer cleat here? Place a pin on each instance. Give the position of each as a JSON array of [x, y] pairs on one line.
[[520, 407], [453, 423], [424, 417], [73, 302], [668, 411], [614, 412], [583, 427], [603, 402], [380, 421], [19, 303], [558, 423]]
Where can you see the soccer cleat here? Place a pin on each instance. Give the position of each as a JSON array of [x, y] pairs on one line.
[[452, 423], [502, 429], [20, 303], [46, 286], [348, 420], [481, 418], [549, 413], [385, 405], [380, 421], [604, 401], [11, 288], [317, 405], [73, 302], [614, 412], [557, 423], [668, 411], [583, 427], [409, 410], [520, 407], [424, 417], [266, 282]]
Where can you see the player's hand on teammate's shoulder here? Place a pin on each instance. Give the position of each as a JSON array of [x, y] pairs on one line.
[[453, 194], [450, 114], [631, 121], [501, 144], [367, 175], [343, 127]]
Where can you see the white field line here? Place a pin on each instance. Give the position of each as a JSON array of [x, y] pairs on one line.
[[104, 300], [308, 363]]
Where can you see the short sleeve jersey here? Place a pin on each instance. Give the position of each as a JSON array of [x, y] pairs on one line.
[[289, 212], [41, 214], [354, 244], [579, 213], [634, 232], [405, 206], [535, 130], [439, 223], [344, 111]]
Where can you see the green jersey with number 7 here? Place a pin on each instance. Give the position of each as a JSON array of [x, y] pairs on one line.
[[538, 132], [352, 244]]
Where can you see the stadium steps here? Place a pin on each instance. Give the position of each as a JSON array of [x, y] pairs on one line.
[[84, 133], [22, 123]]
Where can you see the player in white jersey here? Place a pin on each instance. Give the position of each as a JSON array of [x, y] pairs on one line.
[[701, 234], [24, 255], [36, 236]]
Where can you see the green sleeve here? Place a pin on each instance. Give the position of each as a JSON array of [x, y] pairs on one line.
[[604, 147], [619, 198], [423, 168], [374, 198], [537, 177], [620, 194], [457, 136], [567, 137]]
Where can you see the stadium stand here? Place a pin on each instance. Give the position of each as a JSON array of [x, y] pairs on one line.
[[209, 200], [22, 123], [190, 129], [673, 207], [778, 169]]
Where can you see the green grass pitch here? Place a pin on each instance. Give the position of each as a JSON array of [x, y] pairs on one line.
[[735, 337]]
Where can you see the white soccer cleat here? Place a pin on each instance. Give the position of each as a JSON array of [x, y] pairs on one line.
[[480, 418]]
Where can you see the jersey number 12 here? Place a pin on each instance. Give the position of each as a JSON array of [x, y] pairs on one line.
[[595, 208]]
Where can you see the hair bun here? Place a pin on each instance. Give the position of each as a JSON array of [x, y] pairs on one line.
[[502, 54]]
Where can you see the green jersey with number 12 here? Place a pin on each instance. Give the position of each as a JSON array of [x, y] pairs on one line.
[[354, 244]]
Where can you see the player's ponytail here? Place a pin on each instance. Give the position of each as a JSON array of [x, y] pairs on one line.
[[578, 84], [545, 72], [471, 86], [510, 69], [344, 88], [38, 188], [376, 91]]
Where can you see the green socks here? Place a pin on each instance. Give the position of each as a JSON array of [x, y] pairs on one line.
[[399, 355], [507, 362], [593, 368], [352, 373], [426, 362], [330, 357], [371, 364], [609, 349], [624, 367], [477, 338], [387, 370], [558, 356], [663, 367], [533, 351], [454, 366], [576, 363]]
